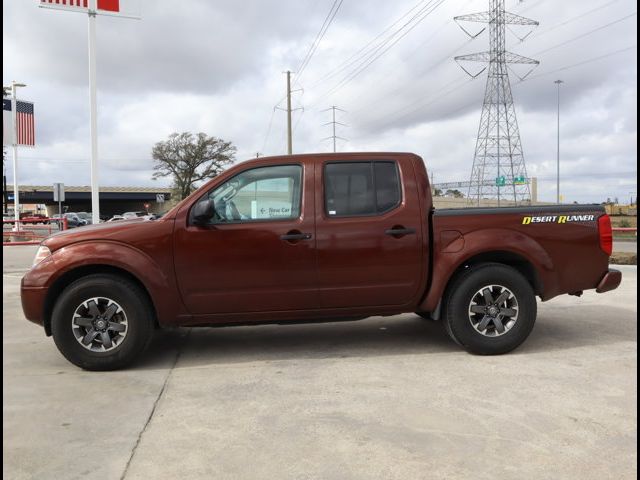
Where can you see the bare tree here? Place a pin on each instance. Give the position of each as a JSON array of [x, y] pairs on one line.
[[190, 158]]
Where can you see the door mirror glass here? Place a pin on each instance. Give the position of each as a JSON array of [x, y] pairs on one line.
[[203, 211]]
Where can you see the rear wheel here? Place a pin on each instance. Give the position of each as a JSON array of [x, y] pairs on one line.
[[102, 322], [490, 309]]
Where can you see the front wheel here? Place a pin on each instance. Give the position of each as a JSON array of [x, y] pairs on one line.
[[490, 309], [102, 322]]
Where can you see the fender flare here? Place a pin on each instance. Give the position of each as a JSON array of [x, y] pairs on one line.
[[159, 282], [478, 242]]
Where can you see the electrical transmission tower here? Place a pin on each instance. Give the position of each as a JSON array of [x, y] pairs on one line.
[[333, 122], [498, 164]]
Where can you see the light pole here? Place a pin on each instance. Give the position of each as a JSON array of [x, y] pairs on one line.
[[16, 194], [558, 82]]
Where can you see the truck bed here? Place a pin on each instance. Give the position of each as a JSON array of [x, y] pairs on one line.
[[560, 241]]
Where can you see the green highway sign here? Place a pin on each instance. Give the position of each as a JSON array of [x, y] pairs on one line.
[[501, 181], [520, 180]]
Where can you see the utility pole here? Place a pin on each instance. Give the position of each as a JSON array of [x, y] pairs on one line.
[[558, 82], [333, 123], [289, 111], [289, 132]]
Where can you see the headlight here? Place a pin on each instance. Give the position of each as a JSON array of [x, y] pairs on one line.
[[42, 253]]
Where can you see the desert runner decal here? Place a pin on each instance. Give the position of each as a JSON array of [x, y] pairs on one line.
[[558, 219]]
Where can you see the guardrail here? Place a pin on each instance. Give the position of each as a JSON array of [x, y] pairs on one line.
[[30, 232], [625, 229]]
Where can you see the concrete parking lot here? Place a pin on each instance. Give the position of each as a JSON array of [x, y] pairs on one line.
[[625, 246], [383, 398]]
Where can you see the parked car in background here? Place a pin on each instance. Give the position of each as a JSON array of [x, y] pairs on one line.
[[115, 218], [73, 220], [8, 219], [130, 215], [33, 218], [86, 217], [145, 215]]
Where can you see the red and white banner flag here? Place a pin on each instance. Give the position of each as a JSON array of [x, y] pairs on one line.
[[106, 5]]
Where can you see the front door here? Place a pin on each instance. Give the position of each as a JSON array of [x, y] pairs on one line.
[[258, 253]]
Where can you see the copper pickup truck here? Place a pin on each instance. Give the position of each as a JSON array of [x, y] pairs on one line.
[[314, 238]]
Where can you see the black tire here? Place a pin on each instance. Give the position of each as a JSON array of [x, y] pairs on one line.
[[135, 306], [464, 327]]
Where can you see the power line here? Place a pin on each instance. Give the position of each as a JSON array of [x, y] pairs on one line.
[[415, 108], [435, 97], [571, 20], [295, 126], [551, 72], [266, 137], [333, 11], [377, 52], [346, 63], [429, 68], [319, 36], [584, 62], [602, 27]]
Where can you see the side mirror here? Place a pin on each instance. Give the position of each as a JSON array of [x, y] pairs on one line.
[[203, 211]]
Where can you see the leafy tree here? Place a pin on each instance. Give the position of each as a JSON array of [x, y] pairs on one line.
[[437, 192], [190, 159]]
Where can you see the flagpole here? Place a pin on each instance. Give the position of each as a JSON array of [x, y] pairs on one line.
[[93, 115], [14, 117]]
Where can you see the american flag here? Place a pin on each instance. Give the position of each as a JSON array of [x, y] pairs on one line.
[[25, 124], [108, 5]]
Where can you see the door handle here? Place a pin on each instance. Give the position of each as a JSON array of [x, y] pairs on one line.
[[399, 231], [292, 236]]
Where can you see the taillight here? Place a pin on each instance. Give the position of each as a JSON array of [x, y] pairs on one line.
[[606, 234]]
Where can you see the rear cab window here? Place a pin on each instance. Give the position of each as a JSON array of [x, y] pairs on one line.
[[363, 188]]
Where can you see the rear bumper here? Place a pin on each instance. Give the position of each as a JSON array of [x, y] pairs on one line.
[[610, 281]]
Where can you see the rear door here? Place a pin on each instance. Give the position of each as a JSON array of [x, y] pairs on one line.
[[369, 233], [258, 254]]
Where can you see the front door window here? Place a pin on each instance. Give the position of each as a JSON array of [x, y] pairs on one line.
[[258, 195]]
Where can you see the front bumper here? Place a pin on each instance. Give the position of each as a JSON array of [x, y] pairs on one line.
[[33, 299], [610, 281]]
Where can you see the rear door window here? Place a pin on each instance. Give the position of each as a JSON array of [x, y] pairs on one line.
[[361, 188]]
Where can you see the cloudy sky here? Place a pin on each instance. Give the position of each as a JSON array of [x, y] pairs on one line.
[[216, 67]]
